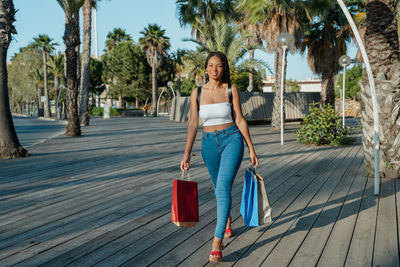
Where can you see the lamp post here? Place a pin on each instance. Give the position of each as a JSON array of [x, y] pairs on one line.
[[169, 84], [344, 61], [285, 41]]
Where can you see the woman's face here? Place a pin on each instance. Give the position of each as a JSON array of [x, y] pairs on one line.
[[214, 68]]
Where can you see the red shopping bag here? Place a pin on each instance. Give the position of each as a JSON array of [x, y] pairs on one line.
[[185, 203]]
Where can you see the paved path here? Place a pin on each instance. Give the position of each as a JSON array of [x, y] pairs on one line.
[[32, 131], [104, 199]]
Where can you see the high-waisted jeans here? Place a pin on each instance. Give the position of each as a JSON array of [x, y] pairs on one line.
[[222, 153]]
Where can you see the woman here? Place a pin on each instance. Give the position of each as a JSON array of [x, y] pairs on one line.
[[224, 128]]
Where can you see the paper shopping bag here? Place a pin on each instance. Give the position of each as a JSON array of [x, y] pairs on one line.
[[255, 207], [185, 204]]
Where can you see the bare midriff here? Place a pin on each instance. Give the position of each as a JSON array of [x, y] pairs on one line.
[[213, 128]]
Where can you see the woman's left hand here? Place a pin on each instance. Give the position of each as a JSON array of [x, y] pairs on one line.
[[253, 158]]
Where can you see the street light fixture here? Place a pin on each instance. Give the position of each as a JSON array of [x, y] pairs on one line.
[[344, 61], [285, 41], [164, 90]]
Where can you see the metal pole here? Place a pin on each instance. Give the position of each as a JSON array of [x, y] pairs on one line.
[[159, 97], [282, 81], [96, 50], [373, 93], [343, 91]]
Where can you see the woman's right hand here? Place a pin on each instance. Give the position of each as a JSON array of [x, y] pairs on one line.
[[185, 162]]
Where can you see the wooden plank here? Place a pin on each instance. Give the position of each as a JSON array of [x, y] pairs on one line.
[[163, 248], [283, 252], [311, 248], [337, 247], [386, 250], [362, 242], [249, 242], [104, 251], [326, 182], [130, 253], [201, 254]]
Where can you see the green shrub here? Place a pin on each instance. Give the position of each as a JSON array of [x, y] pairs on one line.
[[99, 111], [324, 127], [114, 112], [96, 111]]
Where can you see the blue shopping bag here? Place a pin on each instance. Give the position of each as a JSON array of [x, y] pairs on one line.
[[255, 207]]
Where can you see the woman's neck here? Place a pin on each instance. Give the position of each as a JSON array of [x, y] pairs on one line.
[[214, 84]]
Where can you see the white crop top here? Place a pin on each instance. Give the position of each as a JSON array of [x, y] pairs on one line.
[[215, 114]]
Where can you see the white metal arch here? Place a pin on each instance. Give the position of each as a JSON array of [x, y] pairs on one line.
[[373, 93]]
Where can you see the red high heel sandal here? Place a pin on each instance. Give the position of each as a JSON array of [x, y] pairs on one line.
[[215, 256], [228, 233]]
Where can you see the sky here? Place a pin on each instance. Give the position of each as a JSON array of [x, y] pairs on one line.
[[36, 17]]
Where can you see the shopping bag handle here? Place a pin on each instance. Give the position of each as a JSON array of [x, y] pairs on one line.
[[253, 168], [183, 175]]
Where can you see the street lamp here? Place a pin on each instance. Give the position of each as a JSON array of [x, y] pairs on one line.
[[344, 61], [285, 41], [164, 90], [170, 84]]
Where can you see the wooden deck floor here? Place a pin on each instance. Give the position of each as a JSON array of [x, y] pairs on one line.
[[104, 199]]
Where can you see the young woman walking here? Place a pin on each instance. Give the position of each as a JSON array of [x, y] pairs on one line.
[[224, 128]]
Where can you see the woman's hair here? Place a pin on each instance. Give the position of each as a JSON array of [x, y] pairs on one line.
[[226, 76]]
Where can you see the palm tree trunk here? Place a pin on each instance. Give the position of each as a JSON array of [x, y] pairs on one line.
[[381, 37], [46, 88], [276, 111], [328, 90], [382, 46], [154, 91], [251, 77], [71, 40], [85, 80], [9, 143], [40, 103]]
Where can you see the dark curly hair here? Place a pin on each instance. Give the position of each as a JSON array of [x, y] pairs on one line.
[[226, 76]]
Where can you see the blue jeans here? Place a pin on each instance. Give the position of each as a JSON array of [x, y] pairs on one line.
[[222, 153]]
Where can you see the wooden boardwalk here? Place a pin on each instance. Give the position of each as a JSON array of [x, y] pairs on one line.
[[104, 199]]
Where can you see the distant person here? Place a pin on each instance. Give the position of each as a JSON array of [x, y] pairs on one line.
[[224, 127]]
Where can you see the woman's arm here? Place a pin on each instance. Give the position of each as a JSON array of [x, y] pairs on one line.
[[241, 123], [191, 131]]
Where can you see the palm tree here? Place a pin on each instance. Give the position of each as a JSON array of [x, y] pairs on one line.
[[325, 46], [276, 16], [116, 36], [382, 45], [85, 79], [38, 80], [194, 65], [71, 41], [179, 68], [44, 42], [254, 40], [155, 44], [56, 67], [190, 12], [9, 143], [230, 40]]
